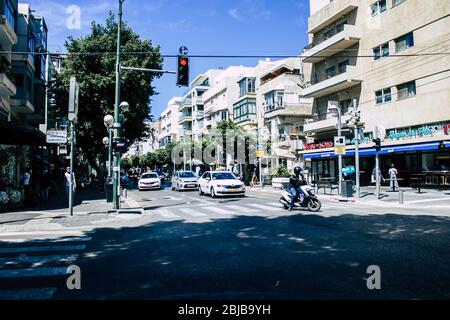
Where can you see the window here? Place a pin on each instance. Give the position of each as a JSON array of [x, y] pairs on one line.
[[244, 110], [383, 96], [331, 71], [247, 85], [10, 14], [406, 90], [342, 67], [381, 51], [340, 26], [378, 7], [397, 2], [404, 42]]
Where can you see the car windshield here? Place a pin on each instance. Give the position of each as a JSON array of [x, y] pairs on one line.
[[223, 176], [187, 175], [149, 176]]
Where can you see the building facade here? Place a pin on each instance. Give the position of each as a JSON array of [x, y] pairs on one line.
[[169, 122], [389, 57]]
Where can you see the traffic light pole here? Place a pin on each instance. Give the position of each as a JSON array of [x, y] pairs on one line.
[[339, 156], [116, 173], [356, 133], [377, 174]]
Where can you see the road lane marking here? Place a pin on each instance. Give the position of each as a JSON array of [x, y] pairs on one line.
[[35, 272], [39, 259], [42, 249], [192, 212], [263, 207], [28, 294], [167, 214], [241, 209], [427, 200], [219, 211]]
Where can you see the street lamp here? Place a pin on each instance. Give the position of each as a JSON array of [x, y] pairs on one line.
[[108, 120], [336, 108]]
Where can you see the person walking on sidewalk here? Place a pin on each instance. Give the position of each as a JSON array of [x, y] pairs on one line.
[[393, 172], [44, 184], [67, 183]]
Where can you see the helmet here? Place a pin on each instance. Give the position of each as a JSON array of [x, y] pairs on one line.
[[297, 170]]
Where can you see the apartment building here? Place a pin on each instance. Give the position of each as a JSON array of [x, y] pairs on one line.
[[22, 89], [283, 109], [391, 57], [169, 122]]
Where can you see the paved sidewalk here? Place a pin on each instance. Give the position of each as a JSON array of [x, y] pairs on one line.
[[90, 211]]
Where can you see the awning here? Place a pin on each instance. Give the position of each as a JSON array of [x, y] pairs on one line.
[[20, 135], [384, 151]]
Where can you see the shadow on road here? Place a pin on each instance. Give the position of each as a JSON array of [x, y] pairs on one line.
[[289, 257]]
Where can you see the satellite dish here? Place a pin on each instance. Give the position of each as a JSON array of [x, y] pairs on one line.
[[379, 132]]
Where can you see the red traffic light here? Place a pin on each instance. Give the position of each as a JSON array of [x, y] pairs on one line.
[[183, 62]]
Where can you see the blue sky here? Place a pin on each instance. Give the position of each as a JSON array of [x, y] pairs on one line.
[[230, 27]]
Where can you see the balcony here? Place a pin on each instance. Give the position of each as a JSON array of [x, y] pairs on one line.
[[199, 114], [7, 88], [330, 13], [346, 77], [7, 33], [22, 106], [197, 101], [299, 109], [325, 124], [185, 118], [186, 103], [342, 40]]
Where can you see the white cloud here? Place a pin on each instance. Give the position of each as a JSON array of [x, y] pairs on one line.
[[234, 14]]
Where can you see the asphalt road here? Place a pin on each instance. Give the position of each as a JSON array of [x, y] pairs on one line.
[[194, 247]]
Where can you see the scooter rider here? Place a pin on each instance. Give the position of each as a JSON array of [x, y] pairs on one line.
[[295, 182]]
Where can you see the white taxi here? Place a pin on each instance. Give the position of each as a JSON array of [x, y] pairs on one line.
[[220, 183]]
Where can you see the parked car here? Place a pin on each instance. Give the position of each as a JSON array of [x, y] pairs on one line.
[[149, 181], [184, 180], [220, 183]]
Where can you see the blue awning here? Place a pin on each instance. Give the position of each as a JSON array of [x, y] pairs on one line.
[[383, 151]]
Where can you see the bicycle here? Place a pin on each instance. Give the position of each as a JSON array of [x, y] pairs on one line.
[[254, 181]]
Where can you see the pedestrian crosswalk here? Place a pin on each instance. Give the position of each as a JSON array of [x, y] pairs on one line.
[[220, 210], [35, 269]]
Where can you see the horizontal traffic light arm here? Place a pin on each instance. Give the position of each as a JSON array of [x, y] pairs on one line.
[[146, 70]]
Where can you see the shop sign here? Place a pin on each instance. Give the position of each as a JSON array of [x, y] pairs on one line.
[[419, 132], [322, 145]]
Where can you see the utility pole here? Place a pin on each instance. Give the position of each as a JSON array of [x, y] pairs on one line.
[[72, 156], [356, 133], [116, 174], [339, 128]]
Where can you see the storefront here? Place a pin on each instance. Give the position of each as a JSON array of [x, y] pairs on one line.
[[409, 159]]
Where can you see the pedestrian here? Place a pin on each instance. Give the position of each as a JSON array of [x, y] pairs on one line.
[[374, 177], [67, 183], [44, 184], [26, 184], [393, 172]]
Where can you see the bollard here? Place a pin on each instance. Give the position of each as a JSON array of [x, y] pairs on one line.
[[125, 193], [400, 197]]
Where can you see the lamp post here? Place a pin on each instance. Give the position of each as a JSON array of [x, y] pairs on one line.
[[339, 129], [108, 120]]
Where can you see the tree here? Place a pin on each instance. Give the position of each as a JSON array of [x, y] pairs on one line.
[[92, 61]]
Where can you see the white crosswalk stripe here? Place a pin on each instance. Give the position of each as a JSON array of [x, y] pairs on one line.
[[219, 211], [263, 207], [240, 209], [166, 214], [21, 265], [192, 212]]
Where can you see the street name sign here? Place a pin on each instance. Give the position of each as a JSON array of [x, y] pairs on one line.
[[57, 136]]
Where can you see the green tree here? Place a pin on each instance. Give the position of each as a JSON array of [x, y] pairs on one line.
[[92, 61]]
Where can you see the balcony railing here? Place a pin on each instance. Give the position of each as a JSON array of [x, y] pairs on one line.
[[328, 75]]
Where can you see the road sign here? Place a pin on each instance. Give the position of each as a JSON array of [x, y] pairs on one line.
[[183, 51], [73, 99], [339, 145], [57, 136], [260, 153]]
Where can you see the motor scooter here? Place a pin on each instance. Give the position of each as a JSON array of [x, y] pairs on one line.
[[310, 200]]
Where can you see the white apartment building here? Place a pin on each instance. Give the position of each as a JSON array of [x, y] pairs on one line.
[[148, 144], [391, 56], [282, 108], [169, 122]]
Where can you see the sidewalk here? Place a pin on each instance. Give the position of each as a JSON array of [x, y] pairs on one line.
[[90, 211], [427, 197]]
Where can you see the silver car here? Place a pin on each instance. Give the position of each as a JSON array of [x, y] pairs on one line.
[[184, 180]]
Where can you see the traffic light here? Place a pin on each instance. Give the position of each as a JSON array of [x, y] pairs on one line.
[[183, 71], [377, 144]]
